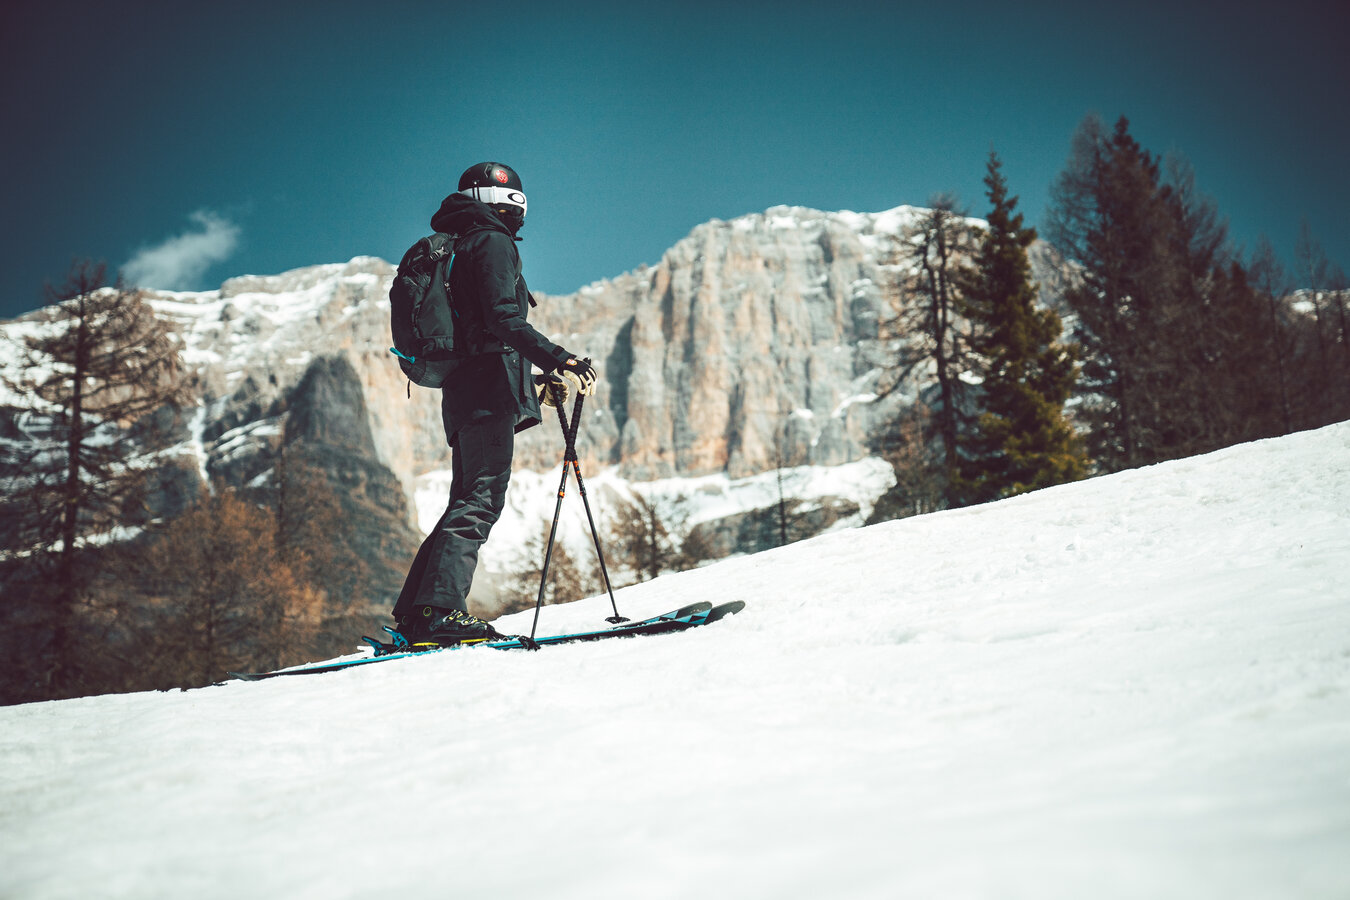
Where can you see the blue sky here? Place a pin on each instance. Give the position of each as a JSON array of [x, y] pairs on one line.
[[199, 141]]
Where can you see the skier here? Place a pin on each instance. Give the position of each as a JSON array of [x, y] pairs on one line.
[[489, 397]]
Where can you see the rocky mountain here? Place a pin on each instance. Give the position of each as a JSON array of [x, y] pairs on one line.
[[754, 344]]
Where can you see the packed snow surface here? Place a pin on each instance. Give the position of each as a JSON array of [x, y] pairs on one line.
[[1136, 686]]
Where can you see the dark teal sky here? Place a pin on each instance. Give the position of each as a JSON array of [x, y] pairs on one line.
[[313, 132]]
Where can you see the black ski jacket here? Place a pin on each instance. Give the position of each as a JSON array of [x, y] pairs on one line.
[[491, 295]]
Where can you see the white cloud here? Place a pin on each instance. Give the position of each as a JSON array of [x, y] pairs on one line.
[[179, 261]]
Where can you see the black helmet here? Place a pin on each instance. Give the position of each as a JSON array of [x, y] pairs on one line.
[[495, 184]]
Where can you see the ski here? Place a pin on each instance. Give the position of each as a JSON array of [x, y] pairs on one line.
[[400, 644], [692, 616]]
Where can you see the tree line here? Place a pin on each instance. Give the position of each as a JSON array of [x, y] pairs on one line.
[[1175, 344]]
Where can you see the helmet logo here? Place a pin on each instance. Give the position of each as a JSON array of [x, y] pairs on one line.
[[500, 175]]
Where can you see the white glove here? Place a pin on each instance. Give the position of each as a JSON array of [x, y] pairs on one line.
[[581, 373]]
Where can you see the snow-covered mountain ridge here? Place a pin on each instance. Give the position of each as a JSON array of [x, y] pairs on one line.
[[1135, 686]]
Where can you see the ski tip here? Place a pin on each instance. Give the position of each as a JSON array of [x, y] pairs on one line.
[[724, 610], [692, 609]]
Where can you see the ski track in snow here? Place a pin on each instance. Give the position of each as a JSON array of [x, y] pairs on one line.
[[1136, 686]]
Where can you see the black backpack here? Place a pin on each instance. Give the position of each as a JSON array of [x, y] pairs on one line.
[[422, 315]]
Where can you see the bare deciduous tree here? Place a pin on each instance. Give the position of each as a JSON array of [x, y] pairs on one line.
[[641, 539], [569, 578], [311, 535], [926, 327], [100, 370], [220, 596], [920, 481]]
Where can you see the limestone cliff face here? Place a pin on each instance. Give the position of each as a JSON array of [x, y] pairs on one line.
[[753, 344]]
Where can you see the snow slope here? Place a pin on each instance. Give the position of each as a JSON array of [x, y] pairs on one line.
[[1137, 686]]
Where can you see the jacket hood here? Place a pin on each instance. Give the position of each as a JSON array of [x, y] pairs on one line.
[[459, 213]]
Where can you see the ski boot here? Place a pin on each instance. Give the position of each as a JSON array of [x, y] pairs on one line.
[[450, 628]]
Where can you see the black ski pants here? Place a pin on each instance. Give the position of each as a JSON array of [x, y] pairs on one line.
[[480, 471]]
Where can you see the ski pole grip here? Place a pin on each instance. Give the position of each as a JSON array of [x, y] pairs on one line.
[[558, 391], [576, 415], [562, 424]]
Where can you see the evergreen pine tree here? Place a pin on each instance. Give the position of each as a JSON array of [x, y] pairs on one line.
[[1108, 218], [1269, 282], [1154, 278], [1022, 440]]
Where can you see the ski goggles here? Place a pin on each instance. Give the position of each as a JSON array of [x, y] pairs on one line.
[[494, 195]]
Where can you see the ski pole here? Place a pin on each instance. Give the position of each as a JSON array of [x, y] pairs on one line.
[[570, 457], [569, 453], [552, 532], [581, 488]]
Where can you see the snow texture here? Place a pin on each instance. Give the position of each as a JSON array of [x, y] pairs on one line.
[[1132, 687]]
